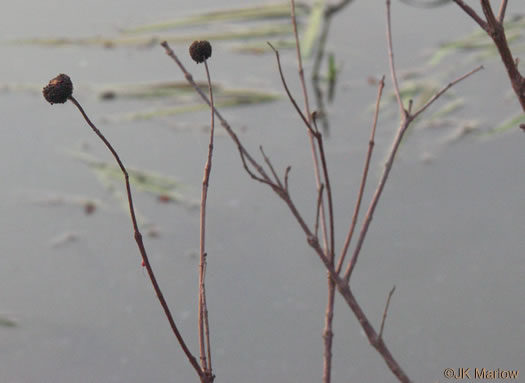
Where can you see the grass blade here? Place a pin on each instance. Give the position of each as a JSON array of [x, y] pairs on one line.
[[252, 13]]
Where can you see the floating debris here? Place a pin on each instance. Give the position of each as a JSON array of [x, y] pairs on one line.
[[88, 205], [7, 322], [146, 181], [64, 239], [461, 132]]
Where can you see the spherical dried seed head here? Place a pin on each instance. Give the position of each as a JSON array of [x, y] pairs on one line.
[[200, 51], [58, 90]]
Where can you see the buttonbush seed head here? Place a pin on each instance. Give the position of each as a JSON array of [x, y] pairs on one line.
[[58, 90], [200, 51]]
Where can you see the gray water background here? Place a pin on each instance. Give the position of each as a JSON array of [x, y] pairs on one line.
[[448, 232]]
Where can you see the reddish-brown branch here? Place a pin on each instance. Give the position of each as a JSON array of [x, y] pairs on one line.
[[328, 333], [371, 334], [341, 284], [313, 148], [204, 331], [318, 208], [142, 249], [329, 312], [272, 169], [495, 29], [472, 13], [328, 233], [245, 155], [502, 10], [288, 93], [403, 112], [406, 119], [371, 144], [319, 137]]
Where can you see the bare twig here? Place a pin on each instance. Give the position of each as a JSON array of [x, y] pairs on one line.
[[502, 10], [495, 29], [328, 241], [204, 333], [393, 73], [209, 372], [142, 249], [371, 144], [376, 341], [292, 99], [328, 333], [245, 156], [385, 312], [270, 166], [313, 148], [388, 166], [329, 312], [318, 208], [472, 13], [286, 174], [319, 137], [341, 284], [311, 133], [489, 15], [406, 119], [300, 61], [443, 90]]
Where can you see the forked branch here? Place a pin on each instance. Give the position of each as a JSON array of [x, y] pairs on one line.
[[407, 116], [495, 28]]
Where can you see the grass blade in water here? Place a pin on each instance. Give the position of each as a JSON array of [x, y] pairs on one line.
[[313, 29], [159, 185], [6, 322], [253, 13], [153, 90], [511, 123], [228, 98], [264, 31]]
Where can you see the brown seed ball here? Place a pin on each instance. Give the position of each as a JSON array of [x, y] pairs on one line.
[[58, 90], [200, 51]]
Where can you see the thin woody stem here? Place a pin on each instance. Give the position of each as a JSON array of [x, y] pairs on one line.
[[245, 155], [472, 13], [406, 120], [495, 29], [502, 10], [313, 148], [371, 144], [328, 233], [342, 285], [140, 243], [204, 333], [393, 72]]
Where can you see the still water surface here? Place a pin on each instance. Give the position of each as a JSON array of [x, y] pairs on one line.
[[448, 232]]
